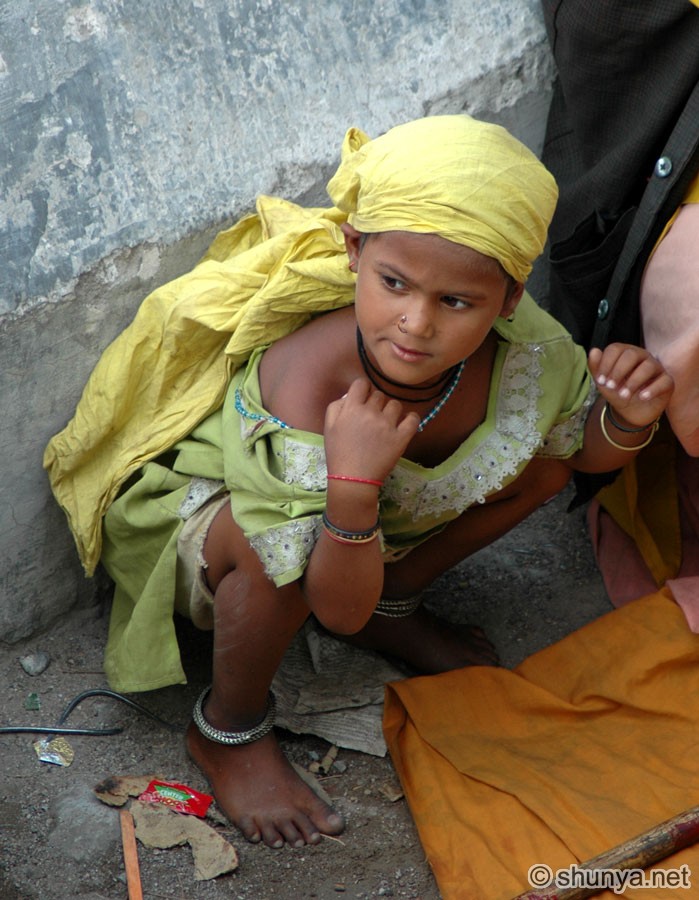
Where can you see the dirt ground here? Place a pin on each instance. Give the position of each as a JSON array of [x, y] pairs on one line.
[[530, 589]]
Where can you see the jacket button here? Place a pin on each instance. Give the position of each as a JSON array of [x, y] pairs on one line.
[[603, 309], [663, 167]]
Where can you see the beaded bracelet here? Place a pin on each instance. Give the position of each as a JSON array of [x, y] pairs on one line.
[[653, 428], [355, 479], [350, 537], [625, 428]]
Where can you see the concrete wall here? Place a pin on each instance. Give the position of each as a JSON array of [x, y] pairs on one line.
[[131, 130]]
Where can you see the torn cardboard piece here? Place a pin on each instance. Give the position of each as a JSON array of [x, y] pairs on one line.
[[161, 828], [157, 825], [116, 789], [334, 690]]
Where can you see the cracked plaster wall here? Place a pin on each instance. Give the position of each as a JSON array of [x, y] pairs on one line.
[[131, 131]]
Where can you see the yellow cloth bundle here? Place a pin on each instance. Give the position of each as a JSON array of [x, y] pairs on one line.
[[169, 369], [468, 181]]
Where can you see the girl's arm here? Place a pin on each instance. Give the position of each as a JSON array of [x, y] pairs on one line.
[[365, 435], [634, 392]]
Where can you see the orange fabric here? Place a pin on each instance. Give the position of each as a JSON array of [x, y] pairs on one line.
[[585, 745]]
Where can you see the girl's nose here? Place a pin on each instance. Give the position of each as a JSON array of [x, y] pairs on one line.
[[417, 319]]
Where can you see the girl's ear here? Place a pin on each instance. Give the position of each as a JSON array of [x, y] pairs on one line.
[[352, 244], [514, 295]]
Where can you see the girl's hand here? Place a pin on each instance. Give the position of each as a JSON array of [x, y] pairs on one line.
[[366, 432], [633, 382]]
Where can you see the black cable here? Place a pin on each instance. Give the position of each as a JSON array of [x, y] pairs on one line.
[[36, 729], [95, 692]]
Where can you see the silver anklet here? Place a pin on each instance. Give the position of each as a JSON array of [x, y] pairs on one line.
[[233, 738], [398, 609]]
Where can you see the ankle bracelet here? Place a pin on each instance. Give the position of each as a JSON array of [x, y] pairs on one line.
[[233, 738], [398, 609]]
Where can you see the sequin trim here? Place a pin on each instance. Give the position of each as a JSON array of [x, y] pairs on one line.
[[288, 546]]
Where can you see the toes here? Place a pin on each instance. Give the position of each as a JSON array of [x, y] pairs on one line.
[[334, 824], [297, 830], [272, 837], [294, 832], [249, 829], [302, 829]]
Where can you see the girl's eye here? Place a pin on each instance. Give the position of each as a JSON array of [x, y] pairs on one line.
[[393, 284], [454, 302]]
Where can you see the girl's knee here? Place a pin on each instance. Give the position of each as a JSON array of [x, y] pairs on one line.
[[226, 550]]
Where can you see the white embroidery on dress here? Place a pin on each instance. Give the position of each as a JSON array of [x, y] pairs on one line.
[[199, 492], [303, 464], [288, 546], [514, 440], [562, 439]]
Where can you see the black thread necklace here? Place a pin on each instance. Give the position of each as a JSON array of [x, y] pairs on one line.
[[373, 373]]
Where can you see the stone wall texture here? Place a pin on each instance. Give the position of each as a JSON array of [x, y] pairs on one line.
[[132, 130]]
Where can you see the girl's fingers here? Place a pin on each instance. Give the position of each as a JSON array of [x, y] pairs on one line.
[[409, 425], [615, 364], [625, 369], [361, 393], [659, 386], [644, 377]]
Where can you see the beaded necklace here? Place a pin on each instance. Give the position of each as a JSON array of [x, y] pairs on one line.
[[255, 417], [449, 391]]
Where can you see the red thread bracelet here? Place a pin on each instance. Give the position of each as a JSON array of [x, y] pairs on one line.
[[357, 480]]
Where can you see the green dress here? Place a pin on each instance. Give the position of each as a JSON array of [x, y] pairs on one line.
[[539, 397]]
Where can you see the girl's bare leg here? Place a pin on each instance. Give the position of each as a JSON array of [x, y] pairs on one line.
[[254, 623], [423, 640]]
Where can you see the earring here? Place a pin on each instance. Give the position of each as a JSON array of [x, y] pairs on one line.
[[402, 321], [353, 265]]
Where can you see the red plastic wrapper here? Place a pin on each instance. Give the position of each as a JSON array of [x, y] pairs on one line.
[[178, 797]]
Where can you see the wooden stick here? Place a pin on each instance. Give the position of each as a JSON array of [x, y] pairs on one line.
[[638, 853], [128, 840]]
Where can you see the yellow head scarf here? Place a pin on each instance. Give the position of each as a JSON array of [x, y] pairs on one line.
[[470, 182]]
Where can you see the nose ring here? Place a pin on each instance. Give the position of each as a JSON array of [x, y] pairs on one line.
[[401, 322]]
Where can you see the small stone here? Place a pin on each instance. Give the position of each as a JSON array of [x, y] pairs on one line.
[[35, 663]]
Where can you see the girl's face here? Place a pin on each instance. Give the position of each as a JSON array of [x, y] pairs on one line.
[[450, 296]]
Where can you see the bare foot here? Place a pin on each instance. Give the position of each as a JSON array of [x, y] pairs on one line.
[[258, 790], [426, 642]]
